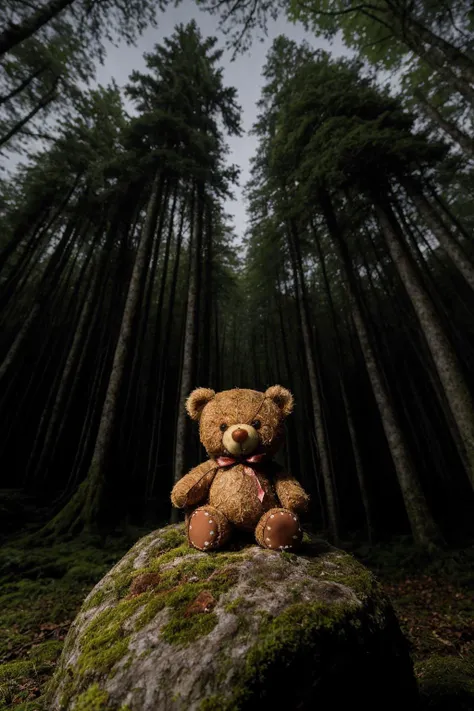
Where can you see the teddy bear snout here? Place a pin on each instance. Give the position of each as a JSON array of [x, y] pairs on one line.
[[240, 439], [240, 435]]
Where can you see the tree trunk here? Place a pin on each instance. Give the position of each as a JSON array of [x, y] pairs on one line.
[[436, 62], [205, 349], [444, 357], [361, 478], [437, 226], [458, 136], [40, 105], [424, 529], [74, 355], [146, 404], [47, 284], [131, 422], [26, 82], [319, 427], [466, 233], [163, 278], [14, 34], [29, 228], [86, 505], [159, 400], [187, 366], [31, 225], [454, 56]]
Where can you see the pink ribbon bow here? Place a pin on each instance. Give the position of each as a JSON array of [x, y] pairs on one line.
[[226, 461]]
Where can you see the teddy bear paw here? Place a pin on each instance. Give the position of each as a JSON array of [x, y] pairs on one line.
[[279, 529], [208, 529]]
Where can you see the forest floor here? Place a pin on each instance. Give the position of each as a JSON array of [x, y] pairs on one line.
[[41, 590]]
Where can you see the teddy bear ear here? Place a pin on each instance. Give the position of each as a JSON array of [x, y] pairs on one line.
[[197, 400], [281, 397]]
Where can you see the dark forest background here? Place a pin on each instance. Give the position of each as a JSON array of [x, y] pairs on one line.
[[123, 284]]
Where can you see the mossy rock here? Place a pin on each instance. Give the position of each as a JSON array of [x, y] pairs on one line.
[[172, 628], [447, 683]]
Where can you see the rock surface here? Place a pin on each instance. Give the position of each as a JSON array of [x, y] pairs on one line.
[[172, 628]]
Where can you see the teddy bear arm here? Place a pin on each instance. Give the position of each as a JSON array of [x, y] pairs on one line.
[[193, 487], [291, 494]]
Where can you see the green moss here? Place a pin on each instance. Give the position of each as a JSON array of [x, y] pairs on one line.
[[214, 703], [210, 573], [121, 581], [152, 608], [292, 629], [183, 630], [173, 538], [96, 599], [105, 640], [36, 705], [47, 652], [15, 670], [295, 631], [236, 605], [168, 556], [290, 557], [446, 683], [103, 644], [94, 699], [344, 569]]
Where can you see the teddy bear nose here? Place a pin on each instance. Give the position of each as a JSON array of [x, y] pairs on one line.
[[239, 435]]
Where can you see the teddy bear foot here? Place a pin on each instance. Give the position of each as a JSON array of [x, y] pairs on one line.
[[279, 529], [208, 529]]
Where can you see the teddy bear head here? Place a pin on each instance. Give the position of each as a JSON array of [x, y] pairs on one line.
[[240, 422]]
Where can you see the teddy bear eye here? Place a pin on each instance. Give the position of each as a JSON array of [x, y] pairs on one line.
[[256, 424], [223, 427]]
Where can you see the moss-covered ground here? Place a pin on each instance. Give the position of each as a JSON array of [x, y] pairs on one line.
[[42, 589], [434, 600]]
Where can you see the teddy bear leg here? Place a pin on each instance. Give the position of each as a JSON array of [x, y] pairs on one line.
[[279, 529], [208, 529]]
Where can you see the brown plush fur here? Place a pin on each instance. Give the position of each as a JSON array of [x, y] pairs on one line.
[[230, 489]]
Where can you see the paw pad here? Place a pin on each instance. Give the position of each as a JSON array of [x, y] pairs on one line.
[[285, 533], [202, 531]]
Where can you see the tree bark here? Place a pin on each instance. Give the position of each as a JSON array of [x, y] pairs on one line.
[[159, 401], [32, 225], [466, 234], [86, 505], [438, 227], [47, 284], [15, 34], [73, 357], [97, 472], [26, 82], [423, 527], [319, 427], [40, 105], [458, 136], [361, 478], [455, 57], [138, 356], [189, 343], [444, 357]]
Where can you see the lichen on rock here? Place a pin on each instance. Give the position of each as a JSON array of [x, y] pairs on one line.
[[172, 628]]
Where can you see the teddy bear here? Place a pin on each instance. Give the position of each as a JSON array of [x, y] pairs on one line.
[[240, 487]]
